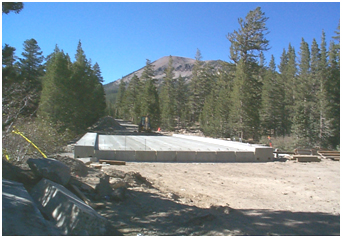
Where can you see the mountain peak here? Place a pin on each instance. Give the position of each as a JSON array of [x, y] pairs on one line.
[[182, 67]]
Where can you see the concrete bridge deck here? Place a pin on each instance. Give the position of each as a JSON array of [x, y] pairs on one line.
[[176, 148]]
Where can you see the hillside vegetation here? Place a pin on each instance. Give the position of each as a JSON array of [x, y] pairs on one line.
[[48, 103]]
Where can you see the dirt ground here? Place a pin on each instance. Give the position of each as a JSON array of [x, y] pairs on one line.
[[275, 198]]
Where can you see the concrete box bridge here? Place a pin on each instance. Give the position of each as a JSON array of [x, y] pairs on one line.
[[175, 148]]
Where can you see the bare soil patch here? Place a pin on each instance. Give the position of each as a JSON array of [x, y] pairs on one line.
[[276, 198]]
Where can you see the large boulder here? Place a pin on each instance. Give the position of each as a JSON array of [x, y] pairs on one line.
[[20, 215], [66, 210], [51, 169]]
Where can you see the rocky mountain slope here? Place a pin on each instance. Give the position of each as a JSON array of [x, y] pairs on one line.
[[182, 67]]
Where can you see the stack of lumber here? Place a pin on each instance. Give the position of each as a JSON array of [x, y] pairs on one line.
[[306, 155], [334, 155], [306, 158], [305, 151]]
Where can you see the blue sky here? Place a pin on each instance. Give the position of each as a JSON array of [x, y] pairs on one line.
[[121, 36]]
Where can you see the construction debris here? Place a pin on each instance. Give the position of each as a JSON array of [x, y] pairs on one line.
[[112, 162], [306, 158], [333, 155], [305, 151]]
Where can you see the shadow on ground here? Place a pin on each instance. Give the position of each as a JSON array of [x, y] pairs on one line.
[[144, 213]]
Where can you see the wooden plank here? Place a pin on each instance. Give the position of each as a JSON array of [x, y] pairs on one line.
[[330, 153], [96, 166], [334, 155], [303, 151], [112, 162], [283, 152], [306, 158]]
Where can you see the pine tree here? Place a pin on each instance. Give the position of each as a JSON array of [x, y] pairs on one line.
[[224, 100], [249, 40], [150, 98], [237, 114], [31, 70], [272, 100], [98, 100], [288, 70], [181, 101], [81, 86], [60, 103], [31, 67], [86, 87], [333, 93], [56, 93], [302, 122], [9, 71], [246, 45], [133, 94], [315, 69], [120, 100], [325, 125], [195, 93], [167, 98], [209, 120], [8, 7]]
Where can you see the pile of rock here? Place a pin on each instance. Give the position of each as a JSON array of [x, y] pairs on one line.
[[61, 198], [106, 125]]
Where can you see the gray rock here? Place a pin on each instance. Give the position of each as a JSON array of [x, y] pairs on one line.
[[103, 188], [66, 210], [119, 194], [20, 215], [117, 183], [50, 169]]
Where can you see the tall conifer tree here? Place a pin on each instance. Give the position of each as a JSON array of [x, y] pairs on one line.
[[182, 101], [301, 127], [133, 102], [167, 98], [195, 93], [150, 98]]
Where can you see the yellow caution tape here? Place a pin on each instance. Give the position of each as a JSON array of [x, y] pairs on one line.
[[16, 131], [5, 153]]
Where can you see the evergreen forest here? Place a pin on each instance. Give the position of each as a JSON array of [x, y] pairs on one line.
[[50, 100], [247, 98]]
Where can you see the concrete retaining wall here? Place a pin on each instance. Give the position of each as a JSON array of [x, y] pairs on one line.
[[145, 156], [180, 156], [186, 156], [128, 156], [206, 156], [225, 156], [245, 156], [166, 156]]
